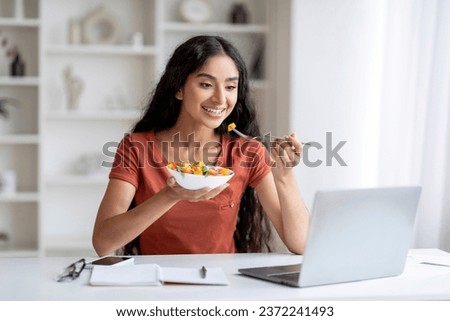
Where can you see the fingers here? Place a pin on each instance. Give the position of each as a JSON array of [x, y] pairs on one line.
[[287, 152], [292, 138], [205, 193], [171, 182], [194, 195], [214, 192]]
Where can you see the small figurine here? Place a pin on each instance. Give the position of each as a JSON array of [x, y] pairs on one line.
[[4, 102], [17, 64], [239, 13], [17, 67], [74, 87]]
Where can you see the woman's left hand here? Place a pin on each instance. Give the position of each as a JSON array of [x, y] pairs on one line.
[[286, 154]]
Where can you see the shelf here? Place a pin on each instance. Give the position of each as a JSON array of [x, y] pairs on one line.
[[19, 81], [214, 27], [101, 50], [19, 139], [18, 252], [20, 197], [62, 244], [13, 22], [124, 115], [75, 180]]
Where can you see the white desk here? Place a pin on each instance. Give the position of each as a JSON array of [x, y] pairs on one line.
[[34, 279]]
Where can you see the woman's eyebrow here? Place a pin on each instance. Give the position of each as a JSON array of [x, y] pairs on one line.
[[203, 74]]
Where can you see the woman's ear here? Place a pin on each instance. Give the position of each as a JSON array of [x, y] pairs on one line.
[[179, 95]]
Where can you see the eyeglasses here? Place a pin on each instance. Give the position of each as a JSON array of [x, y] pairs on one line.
[[73, 271]]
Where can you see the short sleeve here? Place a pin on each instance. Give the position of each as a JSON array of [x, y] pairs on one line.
[[126, 162], [260, 163]]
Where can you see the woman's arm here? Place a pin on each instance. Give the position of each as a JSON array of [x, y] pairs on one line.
[[115, 226], [281, 198]]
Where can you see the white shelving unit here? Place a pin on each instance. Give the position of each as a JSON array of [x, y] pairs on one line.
[[20, 133], [215, 27], [55, 207], [19, 139], [125, 50], [116, 80], [97, 115], [19, 82]]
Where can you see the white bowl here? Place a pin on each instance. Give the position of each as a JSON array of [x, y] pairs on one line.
[[193, 182]]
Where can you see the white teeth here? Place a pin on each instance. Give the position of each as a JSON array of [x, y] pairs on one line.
[[214, 111]]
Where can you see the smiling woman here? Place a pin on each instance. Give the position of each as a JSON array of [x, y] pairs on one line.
[[211, 91], [203, 88]]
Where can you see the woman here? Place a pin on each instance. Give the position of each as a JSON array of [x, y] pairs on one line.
[[203, 89]]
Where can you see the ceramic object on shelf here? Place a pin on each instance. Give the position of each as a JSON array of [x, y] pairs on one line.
[[99, 27], [5, 103], [8, 182], [196, 11], [239, 13], [17, 67], [4, 240], [73, 87], [7, 111], [75, 33], [137, 40]]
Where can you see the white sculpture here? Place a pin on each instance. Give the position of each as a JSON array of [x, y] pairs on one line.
[[74, 86]]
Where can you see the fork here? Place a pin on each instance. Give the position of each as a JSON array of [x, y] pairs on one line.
[[265, 139]]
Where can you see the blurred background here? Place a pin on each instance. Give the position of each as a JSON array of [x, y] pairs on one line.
[[376, 74], [368, 80]]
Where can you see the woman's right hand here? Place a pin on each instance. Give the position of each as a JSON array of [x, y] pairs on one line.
[[180, 193]]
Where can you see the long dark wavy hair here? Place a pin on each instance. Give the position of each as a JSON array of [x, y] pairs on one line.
[[253, 232]]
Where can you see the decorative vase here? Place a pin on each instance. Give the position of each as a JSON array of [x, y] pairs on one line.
[[17, 68], [239, 13]]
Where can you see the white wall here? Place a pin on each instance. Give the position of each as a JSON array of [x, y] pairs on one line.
[[377, 75], [337, 54]]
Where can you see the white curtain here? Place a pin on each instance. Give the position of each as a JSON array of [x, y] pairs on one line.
[[376, 73], [432, 104], [415, 103]]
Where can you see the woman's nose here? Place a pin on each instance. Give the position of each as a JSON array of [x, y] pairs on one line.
[[219, 96]]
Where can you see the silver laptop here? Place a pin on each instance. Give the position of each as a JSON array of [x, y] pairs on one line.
[[353, 235]]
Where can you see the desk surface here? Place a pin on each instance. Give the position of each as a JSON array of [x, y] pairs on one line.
[[35, 279]]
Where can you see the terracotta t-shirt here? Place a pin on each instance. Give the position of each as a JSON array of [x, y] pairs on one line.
[[189, 227]]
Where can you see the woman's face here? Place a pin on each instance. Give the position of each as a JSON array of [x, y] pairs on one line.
[[210, 93]]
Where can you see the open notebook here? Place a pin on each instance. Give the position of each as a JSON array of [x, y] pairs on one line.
[[153, 274]]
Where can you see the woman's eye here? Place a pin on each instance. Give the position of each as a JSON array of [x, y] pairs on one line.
[[231, 88], [205, 85]]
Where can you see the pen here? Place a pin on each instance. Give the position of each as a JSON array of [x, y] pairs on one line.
[[203, 272], [437, 264]]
